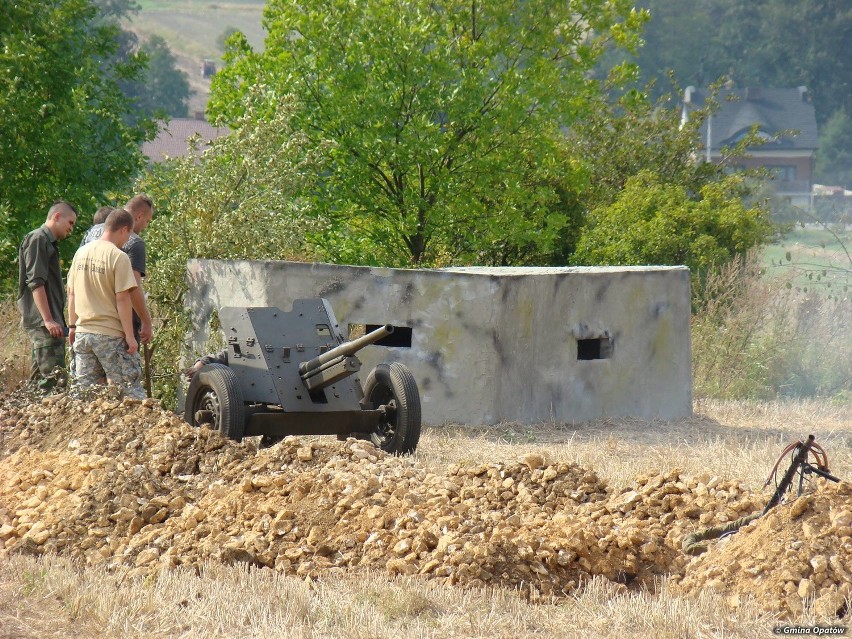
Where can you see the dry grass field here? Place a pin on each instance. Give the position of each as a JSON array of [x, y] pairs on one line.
[[50, 597]]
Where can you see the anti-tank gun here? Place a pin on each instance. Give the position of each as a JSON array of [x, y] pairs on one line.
[[294, 373]]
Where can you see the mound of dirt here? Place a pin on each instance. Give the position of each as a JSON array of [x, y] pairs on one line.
[[799, 552], [126, 483]]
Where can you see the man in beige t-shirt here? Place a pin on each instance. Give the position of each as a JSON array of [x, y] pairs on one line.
[[100, 283]]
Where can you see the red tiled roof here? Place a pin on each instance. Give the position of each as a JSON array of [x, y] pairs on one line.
[[171, 141]]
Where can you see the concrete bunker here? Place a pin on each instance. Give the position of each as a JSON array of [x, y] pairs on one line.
[[488, 345]]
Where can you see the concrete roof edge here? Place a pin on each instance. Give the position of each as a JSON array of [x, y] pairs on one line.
[[474, 270]]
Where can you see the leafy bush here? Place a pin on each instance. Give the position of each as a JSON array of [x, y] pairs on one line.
[[64, 132], [238, 199], [653, 222], [443, 117]]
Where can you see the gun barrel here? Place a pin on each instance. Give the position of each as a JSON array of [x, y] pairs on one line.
[[346, 349]]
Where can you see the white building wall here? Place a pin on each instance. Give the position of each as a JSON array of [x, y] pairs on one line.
[[494, 344]]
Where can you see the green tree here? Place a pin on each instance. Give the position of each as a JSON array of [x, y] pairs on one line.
[[166, 88], [834, 157], [160, 89], [237, 199], [222, 38], [631, 133], [772, 43], [63, 133], [441, 117], [627, 134]]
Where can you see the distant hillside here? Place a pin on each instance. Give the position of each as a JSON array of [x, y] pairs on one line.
[[193, 30]]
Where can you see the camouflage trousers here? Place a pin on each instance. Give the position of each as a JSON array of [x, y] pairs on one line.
[[48, 359], [99, 357]]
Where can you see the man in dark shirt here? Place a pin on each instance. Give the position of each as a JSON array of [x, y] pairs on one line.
[[142, 210], [41, 295]]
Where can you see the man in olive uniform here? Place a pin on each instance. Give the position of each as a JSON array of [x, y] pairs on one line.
[[41, 295]]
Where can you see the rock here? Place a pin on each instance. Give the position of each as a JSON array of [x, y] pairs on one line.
[[533, 460], [401, 567], [147, 556], [800, 506], [829, 605], [806, 589]]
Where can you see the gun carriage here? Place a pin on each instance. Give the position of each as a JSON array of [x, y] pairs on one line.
[[294, 373]]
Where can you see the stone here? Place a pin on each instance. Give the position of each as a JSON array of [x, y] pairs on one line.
[[529, 524]]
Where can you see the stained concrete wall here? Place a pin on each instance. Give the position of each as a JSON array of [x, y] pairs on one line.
[[494, 344]]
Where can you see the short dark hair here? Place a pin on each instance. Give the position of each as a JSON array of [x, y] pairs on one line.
[[137, 201], [60, 205], [101, 214], [118, 219]]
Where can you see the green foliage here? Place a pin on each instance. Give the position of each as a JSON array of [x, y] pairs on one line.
[[160, 89], [63, 133], [440, 119], [166, 88], [235, 200], [649, 200], [222, 38], [632, 133], [769, 43], [834, 156], [654, 222]]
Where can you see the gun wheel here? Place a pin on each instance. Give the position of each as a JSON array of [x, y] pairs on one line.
[[215, 398], [391, 387]]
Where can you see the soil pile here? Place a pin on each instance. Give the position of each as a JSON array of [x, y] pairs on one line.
[[126, 483], [798, 553]]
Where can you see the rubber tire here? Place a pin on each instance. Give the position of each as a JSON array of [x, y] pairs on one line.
[[216, 386], [394, 381]]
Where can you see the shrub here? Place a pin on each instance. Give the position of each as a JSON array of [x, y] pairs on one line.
[[238, 199], [653, 222]]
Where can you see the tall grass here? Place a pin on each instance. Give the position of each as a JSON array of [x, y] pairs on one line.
[[15, 351], [759, 337], [234, 602]]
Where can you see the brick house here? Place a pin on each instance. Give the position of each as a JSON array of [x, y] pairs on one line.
[[789, 157]]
